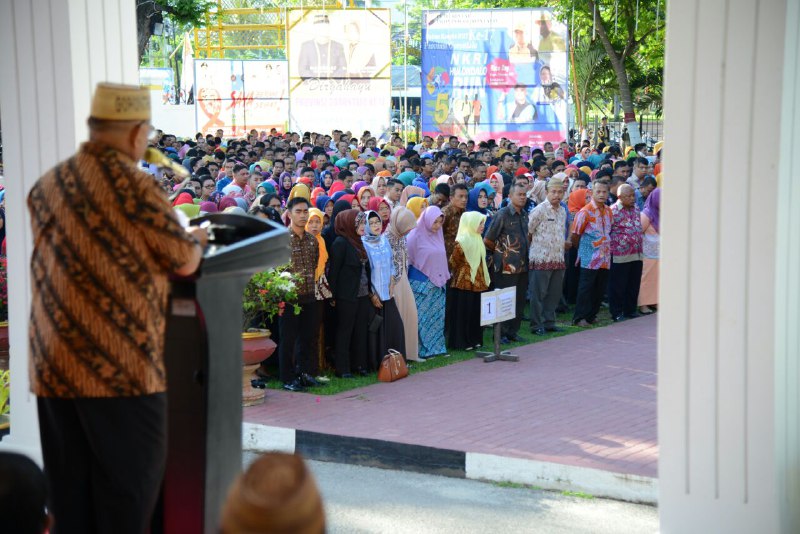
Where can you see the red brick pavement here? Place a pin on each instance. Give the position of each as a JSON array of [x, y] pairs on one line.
[[587, 399]]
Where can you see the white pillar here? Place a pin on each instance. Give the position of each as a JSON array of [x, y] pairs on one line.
[[54, 52], [729, 300]]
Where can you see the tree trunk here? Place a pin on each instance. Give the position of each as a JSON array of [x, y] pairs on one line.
[[626, 101], [143, 14]]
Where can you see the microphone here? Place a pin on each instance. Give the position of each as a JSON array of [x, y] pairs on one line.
[[156, 157]]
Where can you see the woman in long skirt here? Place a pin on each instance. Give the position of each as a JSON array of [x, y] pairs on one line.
[[389, 333], [402, 221], [470, 278], [648, 291], [428, 273]]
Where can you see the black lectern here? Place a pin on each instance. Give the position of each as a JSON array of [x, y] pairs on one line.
[[203, 353]]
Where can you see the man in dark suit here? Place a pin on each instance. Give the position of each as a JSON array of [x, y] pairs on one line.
[[320, 57]]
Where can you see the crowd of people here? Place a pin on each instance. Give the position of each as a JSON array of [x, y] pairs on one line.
[[393, 243]]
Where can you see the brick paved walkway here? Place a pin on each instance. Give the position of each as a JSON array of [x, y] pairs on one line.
[[587, 399]]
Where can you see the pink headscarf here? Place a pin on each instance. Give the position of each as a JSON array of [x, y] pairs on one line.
[[426, 250]]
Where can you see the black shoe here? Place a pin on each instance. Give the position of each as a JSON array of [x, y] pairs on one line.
[[618, 318], [538, 332], [504, 340], [258, 383], [294, 385], [633, 315], [513, 337], [308, 381], [554, 329], [345, 375]]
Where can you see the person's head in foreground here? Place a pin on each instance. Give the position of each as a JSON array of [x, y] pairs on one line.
[[277, 494], [23, 495]]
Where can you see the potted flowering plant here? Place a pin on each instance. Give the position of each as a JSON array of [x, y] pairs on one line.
[[5, 408], [267, 295]]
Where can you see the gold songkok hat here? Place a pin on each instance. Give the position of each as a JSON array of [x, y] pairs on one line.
[[115, 102]]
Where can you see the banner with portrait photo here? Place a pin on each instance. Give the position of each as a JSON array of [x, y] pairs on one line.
[[239, 96], [495, 73], [339, 70]]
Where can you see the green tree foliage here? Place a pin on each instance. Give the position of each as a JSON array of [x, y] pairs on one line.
[[632, 34], [181, 12]]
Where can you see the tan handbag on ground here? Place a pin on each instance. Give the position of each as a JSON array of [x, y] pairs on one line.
[[393, 367]]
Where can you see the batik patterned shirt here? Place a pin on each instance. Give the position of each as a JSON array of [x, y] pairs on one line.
[[546, 227], [594, 227], [305, 255], [626, 234]]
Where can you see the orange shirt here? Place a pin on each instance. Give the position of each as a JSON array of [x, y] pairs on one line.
[[104, 241]]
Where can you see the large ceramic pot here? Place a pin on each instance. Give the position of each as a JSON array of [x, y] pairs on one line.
[[3, 345], [256, 347]]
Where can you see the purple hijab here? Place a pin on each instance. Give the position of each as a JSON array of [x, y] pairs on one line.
[[426, 250], [652, 207], [358, 185]]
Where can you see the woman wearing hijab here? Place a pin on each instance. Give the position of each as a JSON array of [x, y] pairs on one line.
[[402, 221], [648, 291], [496, 181], [478, 201], [390, 333], [325, 205], [329, 232], [265, 188], [577, 200], [349, 278], [381, 206], [409, 192], [322, 290], [364, 194], [428, 273], [379, 186], [470, 278], [417, 205], [353, 201], [358, 185], [285, 186]]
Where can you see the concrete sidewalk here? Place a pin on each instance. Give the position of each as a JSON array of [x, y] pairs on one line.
[[575, 413]]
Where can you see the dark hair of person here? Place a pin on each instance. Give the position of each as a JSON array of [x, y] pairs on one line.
[[459, 187], [305, 170], [442, 189], [219, 154], [23, 494], [369, 167], [638, 146], [619, 164], [344, 173], [603, 173], [617, 180], [536, 151], [650, 181], [604, 183], [538, 164], [391, 182], [238, 167], [642, 161], [295, 201], [266, 199], [203, 171]]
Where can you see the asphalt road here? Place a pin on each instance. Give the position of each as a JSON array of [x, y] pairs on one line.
[[368, 500]]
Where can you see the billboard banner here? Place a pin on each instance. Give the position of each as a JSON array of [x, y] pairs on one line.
[[494, 73], [339, 70], [238, 96]]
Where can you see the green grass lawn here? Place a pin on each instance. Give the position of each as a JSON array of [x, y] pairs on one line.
[[338, 385]]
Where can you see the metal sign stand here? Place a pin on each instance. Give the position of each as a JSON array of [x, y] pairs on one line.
[[498, 306]]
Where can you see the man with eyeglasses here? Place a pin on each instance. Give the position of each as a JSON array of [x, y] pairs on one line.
[[99, 287]]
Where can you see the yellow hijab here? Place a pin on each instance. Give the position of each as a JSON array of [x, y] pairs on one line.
[[300, 190], [323, 251], [471, 243], [416, 205]]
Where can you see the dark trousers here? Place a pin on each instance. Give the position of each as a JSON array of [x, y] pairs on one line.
[[591, 288], [297, 352], [624, 281], [520, 281], [546, 288], [104, 460], [352, 334]]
